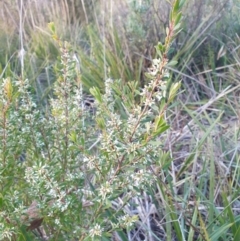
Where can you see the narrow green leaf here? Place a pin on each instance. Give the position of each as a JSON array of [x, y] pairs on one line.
[[51, 27], [178, 19], [219, 232], [122, 235], [177, 28], [229, 211], [173, 91], [237, 234], [172, 63], [181, 3], [96, 93], [176, 7], [161, 130], [149, 76]]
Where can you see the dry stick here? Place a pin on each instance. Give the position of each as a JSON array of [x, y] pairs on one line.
[[21, 52], [104, 46], [84, 10]]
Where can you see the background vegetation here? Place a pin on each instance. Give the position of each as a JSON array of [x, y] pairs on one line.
[[196, 193]]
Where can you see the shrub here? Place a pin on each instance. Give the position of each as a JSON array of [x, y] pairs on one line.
[[63, 171]]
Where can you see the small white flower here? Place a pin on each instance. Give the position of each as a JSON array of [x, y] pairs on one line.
[[57, 221], [133, 148], [7, 234], [127, 220], [96, 231], [105, 189]]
